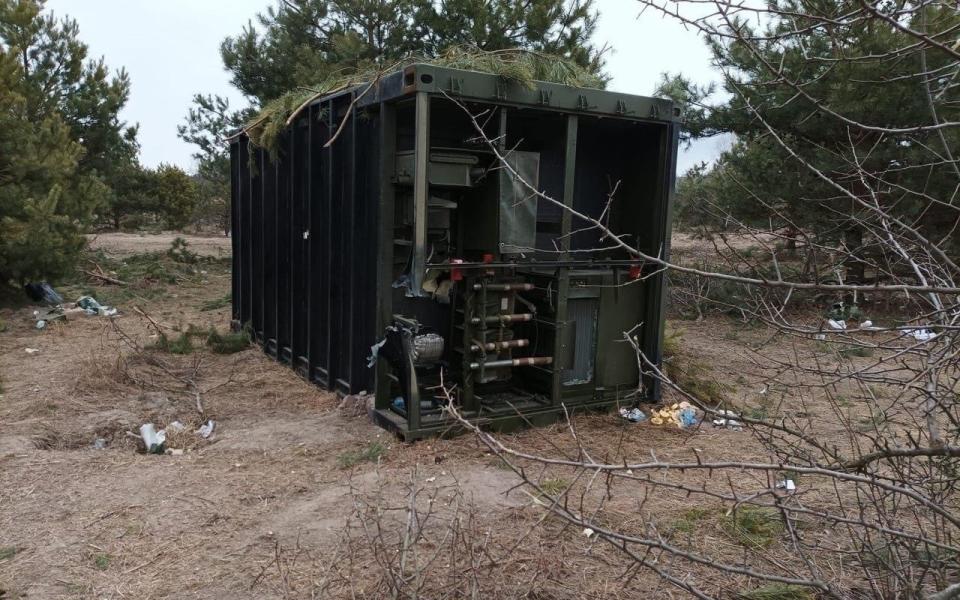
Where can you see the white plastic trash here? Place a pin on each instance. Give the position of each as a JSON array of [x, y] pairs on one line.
[[153, 440], [839, 325], [728, 420], [634, 415], [923, 335], [206, 430]]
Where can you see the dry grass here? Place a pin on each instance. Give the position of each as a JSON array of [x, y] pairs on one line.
[[266, 507]]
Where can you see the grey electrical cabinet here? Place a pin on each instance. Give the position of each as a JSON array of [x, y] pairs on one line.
[[444, 234]]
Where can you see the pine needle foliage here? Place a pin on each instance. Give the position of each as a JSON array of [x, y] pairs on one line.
[[521, 66], [228, 343]]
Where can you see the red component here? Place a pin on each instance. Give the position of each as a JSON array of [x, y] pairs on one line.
[[635, 271], [455, 273], [487, 258]]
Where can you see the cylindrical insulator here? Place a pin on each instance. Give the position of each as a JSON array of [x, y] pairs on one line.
[[504, 318], [490, 346], [505, 287], [513, 362]]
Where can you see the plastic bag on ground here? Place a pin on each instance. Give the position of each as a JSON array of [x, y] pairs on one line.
[[728, 419], [838, 325], [634, 415], [206, 430], [42, 292], [92, 307], [682, 414], [153, 440], [923, 335], [787, 484]]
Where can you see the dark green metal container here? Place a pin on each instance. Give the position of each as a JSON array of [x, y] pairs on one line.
[[408, 245]]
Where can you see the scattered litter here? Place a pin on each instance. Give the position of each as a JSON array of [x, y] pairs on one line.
[[430, 479], [634, 415], [820, 336], [588, 532], [842, 312], [32, 350], [374, 351], [682, 415], [153, 440], [728, 419], [99, 444], [176, 427], [92, 307], [868, 324], [399, 404], [839, 325], [42, 292], [922, 335], [688, 417], [45, 318], [206, 430], [787, 484], [55, 314], [174, 451]]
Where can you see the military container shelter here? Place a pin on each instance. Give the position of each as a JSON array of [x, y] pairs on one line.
[[426, 228]]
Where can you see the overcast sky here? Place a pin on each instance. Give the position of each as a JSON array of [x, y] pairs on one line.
[[171, 51]]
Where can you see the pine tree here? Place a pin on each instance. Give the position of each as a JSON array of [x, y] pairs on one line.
[[851, 68], [175, 195], [302, 42], [61, 141], [209, 122], [41, 202]]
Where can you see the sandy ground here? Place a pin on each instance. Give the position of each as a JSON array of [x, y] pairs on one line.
[[226, 518], [120, 244]]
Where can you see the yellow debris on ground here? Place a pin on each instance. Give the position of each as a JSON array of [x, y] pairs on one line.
[[669, 414]]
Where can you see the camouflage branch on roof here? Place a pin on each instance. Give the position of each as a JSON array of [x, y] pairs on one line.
[[523, 66]]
